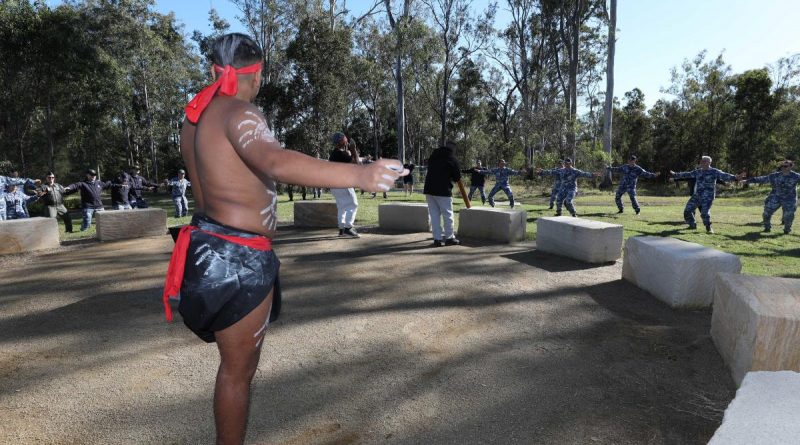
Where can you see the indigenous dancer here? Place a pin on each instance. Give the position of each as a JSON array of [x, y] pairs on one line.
[[783, 194], [627, 184], [223, 264], [705, 190]]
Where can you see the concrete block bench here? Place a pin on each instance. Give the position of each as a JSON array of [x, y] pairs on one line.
[[676, 272], [581, 239], [755, 323], [126, 224], [404, 217], [315, 214], [26, 235], [764, 411], [506, 226]]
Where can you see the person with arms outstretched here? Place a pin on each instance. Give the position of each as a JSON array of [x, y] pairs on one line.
[[223, 265], [477, 180], [569, 184], [630, 174], [783, 194], [705, 190], [501, 174]]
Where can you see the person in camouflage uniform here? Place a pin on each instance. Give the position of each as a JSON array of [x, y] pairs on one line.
[[501, 174], [556, 186], [705, 190], [783, 194], [630, 174], [569, 184]]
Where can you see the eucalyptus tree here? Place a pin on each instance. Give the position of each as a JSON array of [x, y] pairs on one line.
[[461, 34], [399, 23]]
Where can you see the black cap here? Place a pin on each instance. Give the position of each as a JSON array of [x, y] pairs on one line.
[[91, 172], [632, 158]]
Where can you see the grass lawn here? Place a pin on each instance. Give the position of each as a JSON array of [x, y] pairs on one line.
[[736, 220]]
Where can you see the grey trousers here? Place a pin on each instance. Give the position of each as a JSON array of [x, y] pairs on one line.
[[441, 207]]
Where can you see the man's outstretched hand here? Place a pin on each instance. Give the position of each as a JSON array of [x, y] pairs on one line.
[[380, 175]]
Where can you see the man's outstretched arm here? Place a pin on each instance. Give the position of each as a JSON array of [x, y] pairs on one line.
[[248, 132]]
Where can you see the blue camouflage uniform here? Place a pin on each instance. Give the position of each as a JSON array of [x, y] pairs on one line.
[[554, 192], [627, 183], [783, 194], [705, 190], [178, 188], [15, 204], [569, 186], [5, 181], [501, 175]]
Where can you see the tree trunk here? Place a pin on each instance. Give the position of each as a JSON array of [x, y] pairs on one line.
[[608, 113], [48, 128]]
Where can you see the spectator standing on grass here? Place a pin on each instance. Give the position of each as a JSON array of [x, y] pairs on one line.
[[138, 185], [91, 196], [53, 198], [178, 186], [408, 180], [443, 171], [784, 194]]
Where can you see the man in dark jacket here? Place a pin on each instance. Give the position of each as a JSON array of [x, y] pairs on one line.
[[91, 200], [120, 191], [443, 170], [138, 184], [476, 181], [53, 197]]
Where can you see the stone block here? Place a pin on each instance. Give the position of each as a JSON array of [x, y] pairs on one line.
[[578, 238], [404, 217], [755, 323], [25, 235], [126, 224], [506, 226], [676, 272], [315, 214], [764, 411]]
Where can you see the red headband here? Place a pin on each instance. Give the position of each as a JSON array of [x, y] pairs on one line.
[[227, 84]]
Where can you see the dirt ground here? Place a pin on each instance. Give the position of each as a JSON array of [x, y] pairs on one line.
[[381, 340]]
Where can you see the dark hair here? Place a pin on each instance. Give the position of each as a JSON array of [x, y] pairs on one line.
[[450, 145], [567, 161], [237, 50]]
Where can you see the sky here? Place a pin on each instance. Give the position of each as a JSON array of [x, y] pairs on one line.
[[653, 35]]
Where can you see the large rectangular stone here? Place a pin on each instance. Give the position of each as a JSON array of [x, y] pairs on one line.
[[316, 214], [578, 238], [755, 323], [764, 411], [506, 226], [676, 272], [125, 224], [28, 234], [404, 217]]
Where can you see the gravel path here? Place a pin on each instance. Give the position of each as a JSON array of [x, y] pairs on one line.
[[381, 340]]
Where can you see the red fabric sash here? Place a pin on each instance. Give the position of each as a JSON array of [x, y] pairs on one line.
[[227, 84], [177, 263]]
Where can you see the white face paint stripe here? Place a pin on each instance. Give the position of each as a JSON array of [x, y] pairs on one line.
[[271, 220]]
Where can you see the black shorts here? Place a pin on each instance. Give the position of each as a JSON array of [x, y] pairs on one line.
[[408, 179], [224, 281]]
